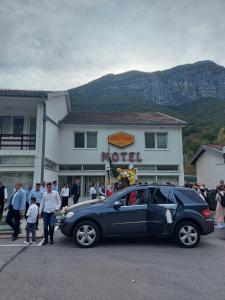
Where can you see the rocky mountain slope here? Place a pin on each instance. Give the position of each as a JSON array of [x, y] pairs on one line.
[[194, 93], [176, 86]]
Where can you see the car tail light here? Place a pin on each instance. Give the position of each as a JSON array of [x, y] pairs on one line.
[[206, 213]]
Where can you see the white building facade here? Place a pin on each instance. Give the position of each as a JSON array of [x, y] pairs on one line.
[[28, 131], [41, 139], [210, 165]]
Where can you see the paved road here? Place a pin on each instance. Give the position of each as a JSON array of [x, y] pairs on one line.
[[116, 269]]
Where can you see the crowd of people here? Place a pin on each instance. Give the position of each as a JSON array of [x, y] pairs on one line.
[[218, 195], [45, 201], [42, 201]]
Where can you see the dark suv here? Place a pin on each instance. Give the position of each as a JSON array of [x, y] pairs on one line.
[[144, 210]]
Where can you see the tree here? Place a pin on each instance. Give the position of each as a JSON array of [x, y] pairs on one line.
[[221, 136]]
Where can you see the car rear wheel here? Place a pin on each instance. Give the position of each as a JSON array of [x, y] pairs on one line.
[[86, 234], [187, 235]]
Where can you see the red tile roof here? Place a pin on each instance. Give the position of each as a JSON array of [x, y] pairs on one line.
[[218, 147], [128, 118]]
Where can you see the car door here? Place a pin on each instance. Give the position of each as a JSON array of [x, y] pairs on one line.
[[129, 219], [161, 200]]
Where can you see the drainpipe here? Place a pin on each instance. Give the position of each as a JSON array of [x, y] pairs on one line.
[[43, 141]]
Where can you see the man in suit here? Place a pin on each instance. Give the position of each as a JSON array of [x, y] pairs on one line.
[[16, 210], [75, 191]]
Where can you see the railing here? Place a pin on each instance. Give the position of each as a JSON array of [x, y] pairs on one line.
[[17, 141]]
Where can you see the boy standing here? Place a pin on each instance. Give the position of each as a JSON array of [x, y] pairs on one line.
[[31, 221]]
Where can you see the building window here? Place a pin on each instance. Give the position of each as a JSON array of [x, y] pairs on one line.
[[18, 123], [161, 140], [150, 140], [156, 140], [79, 140], [85, 139], [51, 165], [145, 167], [5, 125], [32, 125], [94, 167], [17, 161], [70, 167], [91, 139], [167, 167]]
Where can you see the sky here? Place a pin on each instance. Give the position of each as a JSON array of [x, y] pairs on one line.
[[61, 44]]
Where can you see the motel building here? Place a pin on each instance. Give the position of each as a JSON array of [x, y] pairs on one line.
[[42, 139]]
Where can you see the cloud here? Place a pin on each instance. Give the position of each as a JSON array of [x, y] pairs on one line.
[[54, 44]]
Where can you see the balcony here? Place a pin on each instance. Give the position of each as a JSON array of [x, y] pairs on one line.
[[17, 142]]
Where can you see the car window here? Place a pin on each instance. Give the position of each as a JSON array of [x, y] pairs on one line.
[[151, 194], [163, 196], [188, 195], [138, 197]]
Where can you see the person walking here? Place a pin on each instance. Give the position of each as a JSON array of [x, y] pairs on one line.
[[55, 186], [50, 205], [220, 210], [64, 194], [92, 191], [43, 187], [32, 214], [38, 195], [75, 191], [101, 190], [3, 198], [28, 196], [109, 191], [16, 210]]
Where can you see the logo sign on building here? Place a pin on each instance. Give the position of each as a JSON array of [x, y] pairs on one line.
[[121, 139]]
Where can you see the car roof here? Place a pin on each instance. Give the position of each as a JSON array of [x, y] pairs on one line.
[[153, 186]]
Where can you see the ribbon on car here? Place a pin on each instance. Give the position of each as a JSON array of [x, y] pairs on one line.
[[169, 218]]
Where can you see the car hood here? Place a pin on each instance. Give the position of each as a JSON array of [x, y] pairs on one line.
[[86, 203]]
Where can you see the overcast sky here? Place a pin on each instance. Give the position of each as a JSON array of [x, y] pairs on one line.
[[60, 44]]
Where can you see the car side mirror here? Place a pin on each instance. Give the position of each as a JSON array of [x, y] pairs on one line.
[[117, 204]]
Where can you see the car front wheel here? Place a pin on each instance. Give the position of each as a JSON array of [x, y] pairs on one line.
[[187, 235], [86, 234]]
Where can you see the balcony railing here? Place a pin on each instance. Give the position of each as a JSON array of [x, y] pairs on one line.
[[15, 141]]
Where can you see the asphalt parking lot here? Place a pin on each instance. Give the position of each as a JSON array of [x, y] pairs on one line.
[[116, 269]]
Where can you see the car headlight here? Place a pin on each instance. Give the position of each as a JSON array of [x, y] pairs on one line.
[[69, 215]]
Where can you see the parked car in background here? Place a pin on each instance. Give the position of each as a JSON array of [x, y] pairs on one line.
[[144, 210]]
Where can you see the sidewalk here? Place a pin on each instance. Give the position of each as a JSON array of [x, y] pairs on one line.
[[6, 231]]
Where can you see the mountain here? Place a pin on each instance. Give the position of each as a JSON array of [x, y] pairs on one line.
[[176, 86], [194, 93]]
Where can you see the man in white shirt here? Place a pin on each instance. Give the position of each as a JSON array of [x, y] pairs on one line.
[[64, 194], [50, 205], [92, 191]]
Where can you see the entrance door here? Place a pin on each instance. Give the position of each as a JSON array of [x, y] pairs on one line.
[[88, 180]]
